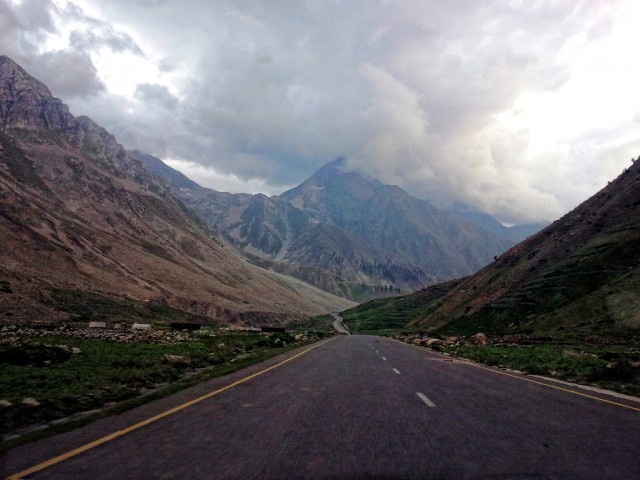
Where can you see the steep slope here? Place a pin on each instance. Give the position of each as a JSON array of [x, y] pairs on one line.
[[83, 223], [578, 276], [343, 232]]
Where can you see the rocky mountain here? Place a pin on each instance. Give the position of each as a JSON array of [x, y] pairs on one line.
[[88, 231], [515, 233], [578, 276], [343, 232]]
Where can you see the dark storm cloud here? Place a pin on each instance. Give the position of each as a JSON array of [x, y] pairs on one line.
[[71, 73], [408, 91], [156, 95]]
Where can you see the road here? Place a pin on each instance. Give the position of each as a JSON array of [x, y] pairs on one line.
[[338, 324], [356, 407]]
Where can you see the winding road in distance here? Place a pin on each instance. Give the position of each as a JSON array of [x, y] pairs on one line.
[[338, 324], [354, 407]]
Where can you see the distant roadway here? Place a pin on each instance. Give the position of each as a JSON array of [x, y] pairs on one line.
[[338, 324], [354, 407]]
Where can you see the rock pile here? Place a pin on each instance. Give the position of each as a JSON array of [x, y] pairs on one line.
[[479, 339], [9, 332]]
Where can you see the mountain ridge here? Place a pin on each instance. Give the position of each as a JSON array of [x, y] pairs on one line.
[[384, 241], [81, 214]]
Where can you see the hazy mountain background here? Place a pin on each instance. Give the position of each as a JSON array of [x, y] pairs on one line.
[[348, 233]]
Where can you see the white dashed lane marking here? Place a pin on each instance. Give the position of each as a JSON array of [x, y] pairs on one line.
[[397, 371], [424, 398]]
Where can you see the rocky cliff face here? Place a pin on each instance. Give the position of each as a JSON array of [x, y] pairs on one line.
[[78, 213], [26, 103]]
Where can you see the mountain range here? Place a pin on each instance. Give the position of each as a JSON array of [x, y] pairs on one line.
[[578, 277], [87, 231], [347, 233]]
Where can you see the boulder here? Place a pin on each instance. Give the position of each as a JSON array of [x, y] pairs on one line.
[[434, 341], [177, 359], [141, 327], [480, 339], [30, 402]]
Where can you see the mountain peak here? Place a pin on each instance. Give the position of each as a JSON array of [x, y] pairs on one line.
[[339, 165], [26, 103], [333, 179]]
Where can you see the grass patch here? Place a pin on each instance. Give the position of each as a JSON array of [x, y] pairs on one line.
[[388, 316], [320, 325], [607, 367], [112, 375]]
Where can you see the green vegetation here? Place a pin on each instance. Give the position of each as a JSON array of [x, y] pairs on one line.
[[67, 375], [593, 291], [320, 325], [608, 367], [389, 316], [377, 317]]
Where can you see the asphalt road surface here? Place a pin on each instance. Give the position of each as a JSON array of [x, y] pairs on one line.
[[354, 407]]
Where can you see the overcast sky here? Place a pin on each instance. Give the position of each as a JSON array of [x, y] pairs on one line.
[[523, 109]]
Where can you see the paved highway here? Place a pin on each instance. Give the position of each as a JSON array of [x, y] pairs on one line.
[[354, 407]]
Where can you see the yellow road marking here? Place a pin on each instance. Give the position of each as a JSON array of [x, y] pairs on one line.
[[537, 382], [120, 433]]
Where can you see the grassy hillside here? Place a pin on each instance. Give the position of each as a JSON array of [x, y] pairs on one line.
[[390, 315]]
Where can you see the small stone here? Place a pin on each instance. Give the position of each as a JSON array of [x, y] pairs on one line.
[[30, 402], [5, 403], [76, 351], [480, 339], [141, 327], [177, 359]]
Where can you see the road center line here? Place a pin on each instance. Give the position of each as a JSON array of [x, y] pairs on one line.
[[384, 358], [143, 423], [424, 398], [397, 371]]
